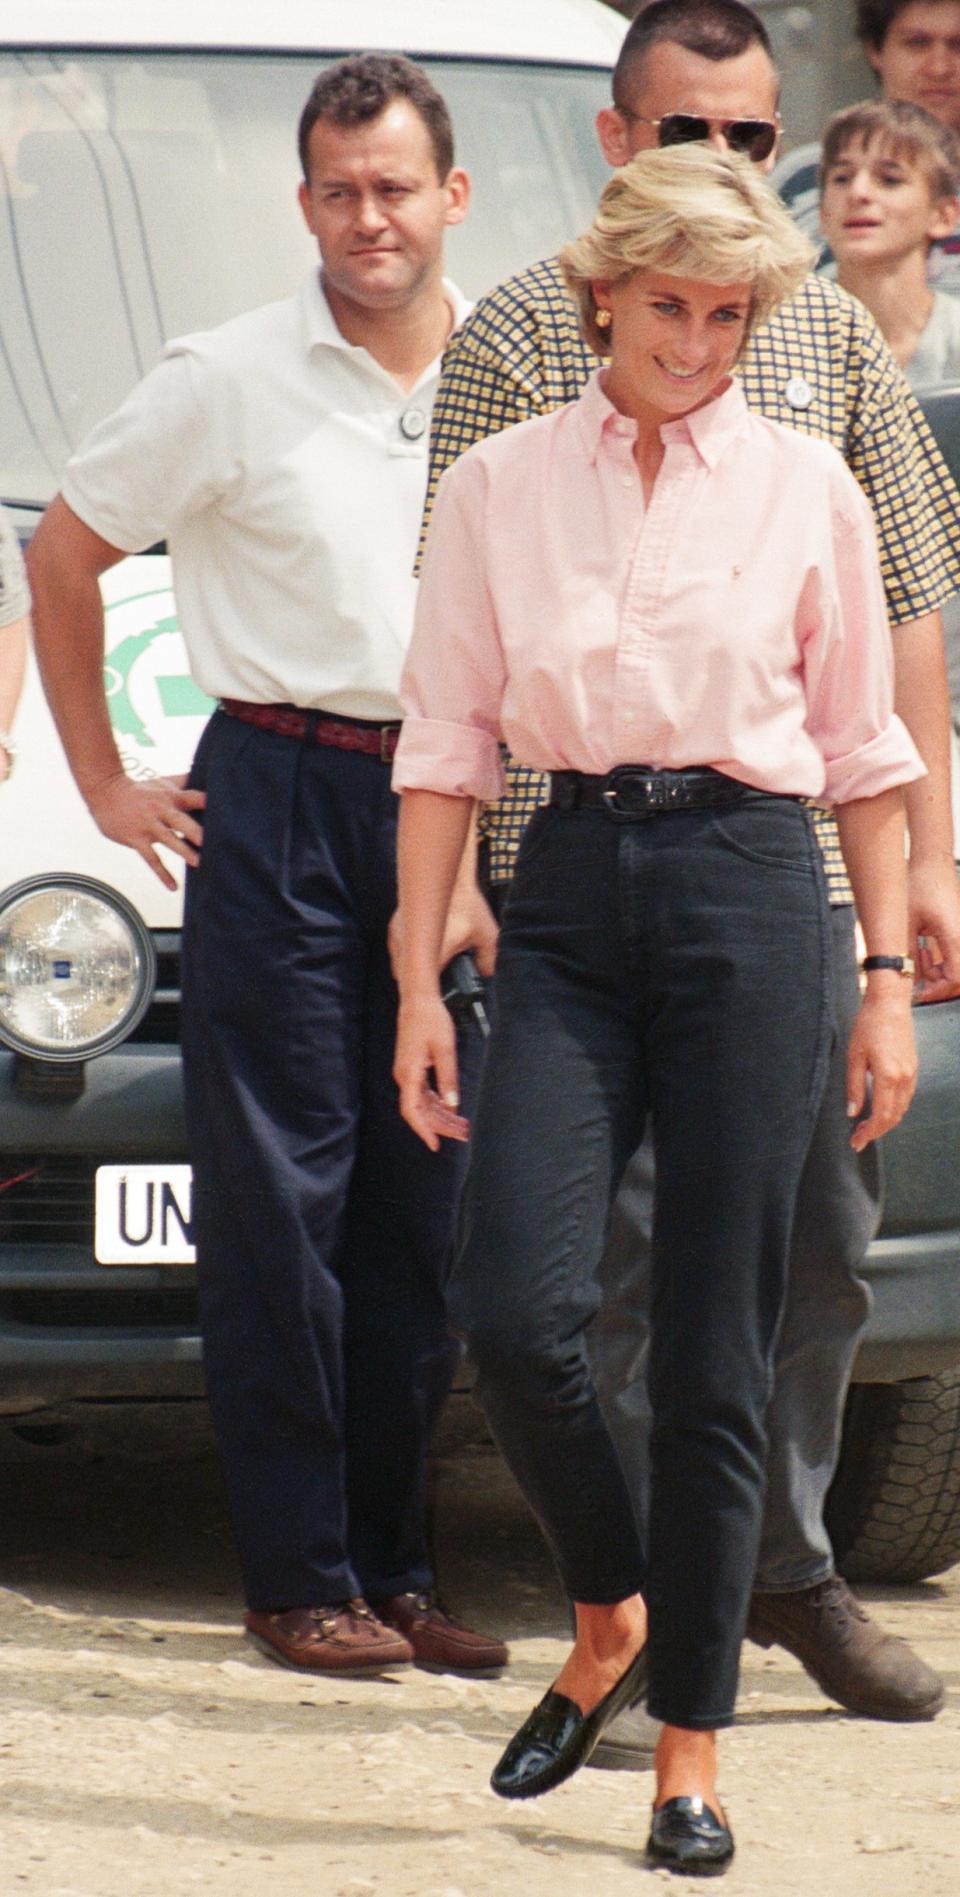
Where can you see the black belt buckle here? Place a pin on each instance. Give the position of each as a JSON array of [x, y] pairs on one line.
[[630, 795]]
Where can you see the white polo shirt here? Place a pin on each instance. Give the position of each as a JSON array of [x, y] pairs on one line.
[[287, 471]]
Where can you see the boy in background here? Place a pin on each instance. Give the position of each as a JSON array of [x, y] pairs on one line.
[[890, 188], [914, 49]]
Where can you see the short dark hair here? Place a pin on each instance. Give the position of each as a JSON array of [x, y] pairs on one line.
[[874, 18], [716, 29], [905, 131], [358, 89]]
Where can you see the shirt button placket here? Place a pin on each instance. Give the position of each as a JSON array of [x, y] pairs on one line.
[[666, 509]]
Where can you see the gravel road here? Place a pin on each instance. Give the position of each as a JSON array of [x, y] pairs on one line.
[[147, 1752]]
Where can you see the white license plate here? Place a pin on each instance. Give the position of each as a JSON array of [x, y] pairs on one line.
[[143, 1216]]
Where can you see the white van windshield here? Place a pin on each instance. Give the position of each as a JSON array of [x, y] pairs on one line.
[[146, 195]]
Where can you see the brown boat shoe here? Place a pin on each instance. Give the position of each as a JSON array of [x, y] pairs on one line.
[[346, 1637], [851, 1659], [440, 1643]]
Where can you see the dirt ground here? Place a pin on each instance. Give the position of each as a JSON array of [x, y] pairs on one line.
[[145, 1751]]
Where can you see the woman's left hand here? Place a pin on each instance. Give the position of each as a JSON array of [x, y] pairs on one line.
[[882, 1049]]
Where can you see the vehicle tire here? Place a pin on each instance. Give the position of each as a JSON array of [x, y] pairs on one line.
[[893, 1512]]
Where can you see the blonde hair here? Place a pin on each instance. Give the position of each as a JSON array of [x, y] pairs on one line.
[[688, 211]]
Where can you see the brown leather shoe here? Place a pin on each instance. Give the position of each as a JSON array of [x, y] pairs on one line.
[[344, 1638], [850, 1657], [439, 1643]]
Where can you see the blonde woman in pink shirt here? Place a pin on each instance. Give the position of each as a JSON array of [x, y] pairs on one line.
[[674, 607]]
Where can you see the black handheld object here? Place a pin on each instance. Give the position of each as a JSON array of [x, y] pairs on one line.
[[461, 986]]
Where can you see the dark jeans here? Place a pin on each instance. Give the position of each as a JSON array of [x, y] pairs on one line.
[[678, 966], [827, 1306], [323, 1225]]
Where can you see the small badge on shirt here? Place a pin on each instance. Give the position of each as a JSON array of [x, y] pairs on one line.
[[798, 392]]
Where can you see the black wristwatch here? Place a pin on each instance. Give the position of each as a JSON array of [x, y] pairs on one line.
[[900, 964]]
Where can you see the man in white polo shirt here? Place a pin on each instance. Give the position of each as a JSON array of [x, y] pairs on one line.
[[283, 458]]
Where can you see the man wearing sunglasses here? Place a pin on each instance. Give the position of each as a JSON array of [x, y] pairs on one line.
[[702, 70], [754, 138]]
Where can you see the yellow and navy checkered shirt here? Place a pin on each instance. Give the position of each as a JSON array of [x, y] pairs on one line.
[[819, 365]]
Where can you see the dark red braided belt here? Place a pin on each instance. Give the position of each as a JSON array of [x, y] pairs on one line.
[[345, 734]]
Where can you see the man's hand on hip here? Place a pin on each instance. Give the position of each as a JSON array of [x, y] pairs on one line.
[[143, 815]]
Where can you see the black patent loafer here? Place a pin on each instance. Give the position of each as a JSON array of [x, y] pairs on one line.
[[686, 1836], [558, 1737]]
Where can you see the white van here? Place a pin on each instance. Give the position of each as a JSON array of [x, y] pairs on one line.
[[148, 169]]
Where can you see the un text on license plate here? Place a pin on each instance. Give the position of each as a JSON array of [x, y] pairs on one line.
[[143, 1216]]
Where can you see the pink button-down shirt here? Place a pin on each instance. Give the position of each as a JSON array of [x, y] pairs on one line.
[[737, 619]]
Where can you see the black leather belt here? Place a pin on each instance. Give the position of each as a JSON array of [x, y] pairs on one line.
[[634, 791]]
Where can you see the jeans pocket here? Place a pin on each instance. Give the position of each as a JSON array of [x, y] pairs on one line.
[[536, 835], [773, 832]]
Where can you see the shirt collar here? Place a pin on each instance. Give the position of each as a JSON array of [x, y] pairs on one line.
[[709, 429], [320, 330]]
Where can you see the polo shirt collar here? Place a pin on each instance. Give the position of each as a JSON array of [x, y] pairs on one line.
[[709, 429], [319, 329]]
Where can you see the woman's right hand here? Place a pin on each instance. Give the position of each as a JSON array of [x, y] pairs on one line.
[[883, 1049], [427, 1044]]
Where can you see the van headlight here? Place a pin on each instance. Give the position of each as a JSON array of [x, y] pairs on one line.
[[77, 968]]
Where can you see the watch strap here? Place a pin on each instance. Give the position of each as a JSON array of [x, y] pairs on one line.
[[900, 964]]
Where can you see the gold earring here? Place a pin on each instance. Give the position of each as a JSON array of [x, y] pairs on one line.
[[603, 318]]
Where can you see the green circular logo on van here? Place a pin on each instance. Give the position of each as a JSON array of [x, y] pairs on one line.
[[146, 677]]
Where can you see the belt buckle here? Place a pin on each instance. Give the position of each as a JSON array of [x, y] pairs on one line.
[[388, 743], [655, 794]]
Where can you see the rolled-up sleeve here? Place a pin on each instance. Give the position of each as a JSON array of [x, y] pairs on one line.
[[848, 665], [453, 680]]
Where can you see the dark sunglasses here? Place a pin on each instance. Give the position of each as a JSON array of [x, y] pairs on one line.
[[755, 137]]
